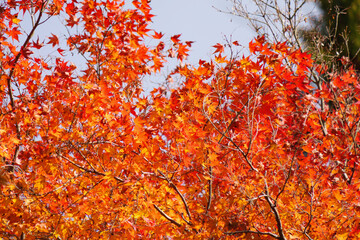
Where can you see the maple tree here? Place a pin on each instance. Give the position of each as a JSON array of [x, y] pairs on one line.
[[244, 147]]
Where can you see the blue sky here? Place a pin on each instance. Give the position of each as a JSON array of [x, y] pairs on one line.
[[199, 21]]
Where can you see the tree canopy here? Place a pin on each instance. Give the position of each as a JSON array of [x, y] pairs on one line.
[[243, 148]]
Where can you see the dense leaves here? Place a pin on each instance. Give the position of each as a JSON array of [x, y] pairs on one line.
[[251, 148]]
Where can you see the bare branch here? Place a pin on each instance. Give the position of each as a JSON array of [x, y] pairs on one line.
[[254, 232], [12, 101], [166, 216], [288, 175], [178, 192], [230, 139], [88, 170], [210, 190], [275, 211]]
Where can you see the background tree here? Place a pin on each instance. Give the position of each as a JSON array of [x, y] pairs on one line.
[[330, 35], [338, 29], [242, 148], [277, 20]]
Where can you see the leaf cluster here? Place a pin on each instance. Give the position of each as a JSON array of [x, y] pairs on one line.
[[243, 148]]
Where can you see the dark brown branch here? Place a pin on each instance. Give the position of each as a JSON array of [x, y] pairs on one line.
[[275, 211], [351, 133], [254, 232], [20, 53], [223, 134], [232, 121], [188, 222], [288, 175], [89, 170], [182, 199], [307, 227], [17, 57], [166, 216], [82, 155], [178, 192], [210, 190]]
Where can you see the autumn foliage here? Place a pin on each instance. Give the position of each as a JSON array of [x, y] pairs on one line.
[[257, 147]]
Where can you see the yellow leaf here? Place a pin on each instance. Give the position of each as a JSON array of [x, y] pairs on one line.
[[138, 215], [108, 175], [15, 20], [15, 140], [342, 236], [12, 187], [144, 151], [212, 108], [109, 44], [273, 146]]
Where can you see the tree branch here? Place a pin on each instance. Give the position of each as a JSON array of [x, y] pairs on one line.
[[255, 232], [17, 57], [166, 216], [89, 170], [178, 192], [275, 211]]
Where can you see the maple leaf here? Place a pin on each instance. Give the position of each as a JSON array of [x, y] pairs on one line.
[[53, 40], [60, 51], [182, 51], [219, 48], [37, 45], [16, 20], [158, 35], [26, 52], [227, 152], [175, 38], [14, 34], [189, 43]]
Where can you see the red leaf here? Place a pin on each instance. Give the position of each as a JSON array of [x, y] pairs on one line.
[[189, 43], [60, 51], [219, 48], [158, 35], [26, 52], [175, 38], [37, 45], [53, 40]]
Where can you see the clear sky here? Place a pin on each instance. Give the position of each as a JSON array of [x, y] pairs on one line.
[[201, 22]]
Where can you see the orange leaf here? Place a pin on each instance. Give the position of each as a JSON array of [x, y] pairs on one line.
[[158, 35]]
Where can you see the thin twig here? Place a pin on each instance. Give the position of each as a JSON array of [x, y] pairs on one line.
[[89, 170]]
